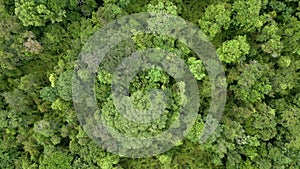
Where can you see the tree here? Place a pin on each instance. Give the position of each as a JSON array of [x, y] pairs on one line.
[[234, 51], [64, 85], [38, 13], [165, 6], [271, 39], [253, 83], [247, 15], [56, 159], [197, 68], [216, 18]]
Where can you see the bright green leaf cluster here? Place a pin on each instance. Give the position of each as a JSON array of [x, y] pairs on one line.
[[233, 51]]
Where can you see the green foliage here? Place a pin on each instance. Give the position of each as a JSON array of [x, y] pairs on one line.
[[44, 128], [165, 6], [111, 11], [257, 40], [48, 94], [216, 18], [55, 160], [247, 15], [234, 51], [88, 7], [196, 130], [140, 100], [38, 13], [197, 68], [286, 79], [261, 122], [64, 85], [121, 3], [253, 82]]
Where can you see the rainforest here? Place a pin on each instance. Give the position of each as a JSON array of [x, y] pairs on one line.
[[256, 41]]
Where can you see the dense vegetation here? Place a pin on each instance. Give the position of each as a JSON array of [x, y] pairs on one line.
[[258, 42]]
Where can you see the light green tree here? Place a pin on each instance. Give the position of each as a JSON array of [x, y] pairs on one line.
[[216, 18], [247, 15], [38, 13], [235, 50]]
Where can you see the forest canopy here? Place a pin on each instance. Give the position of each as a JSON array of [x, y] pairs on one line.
[[258, 44]]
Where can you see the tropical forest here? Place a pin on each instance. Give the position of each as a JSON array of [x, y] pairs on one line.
[[48, 118]]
